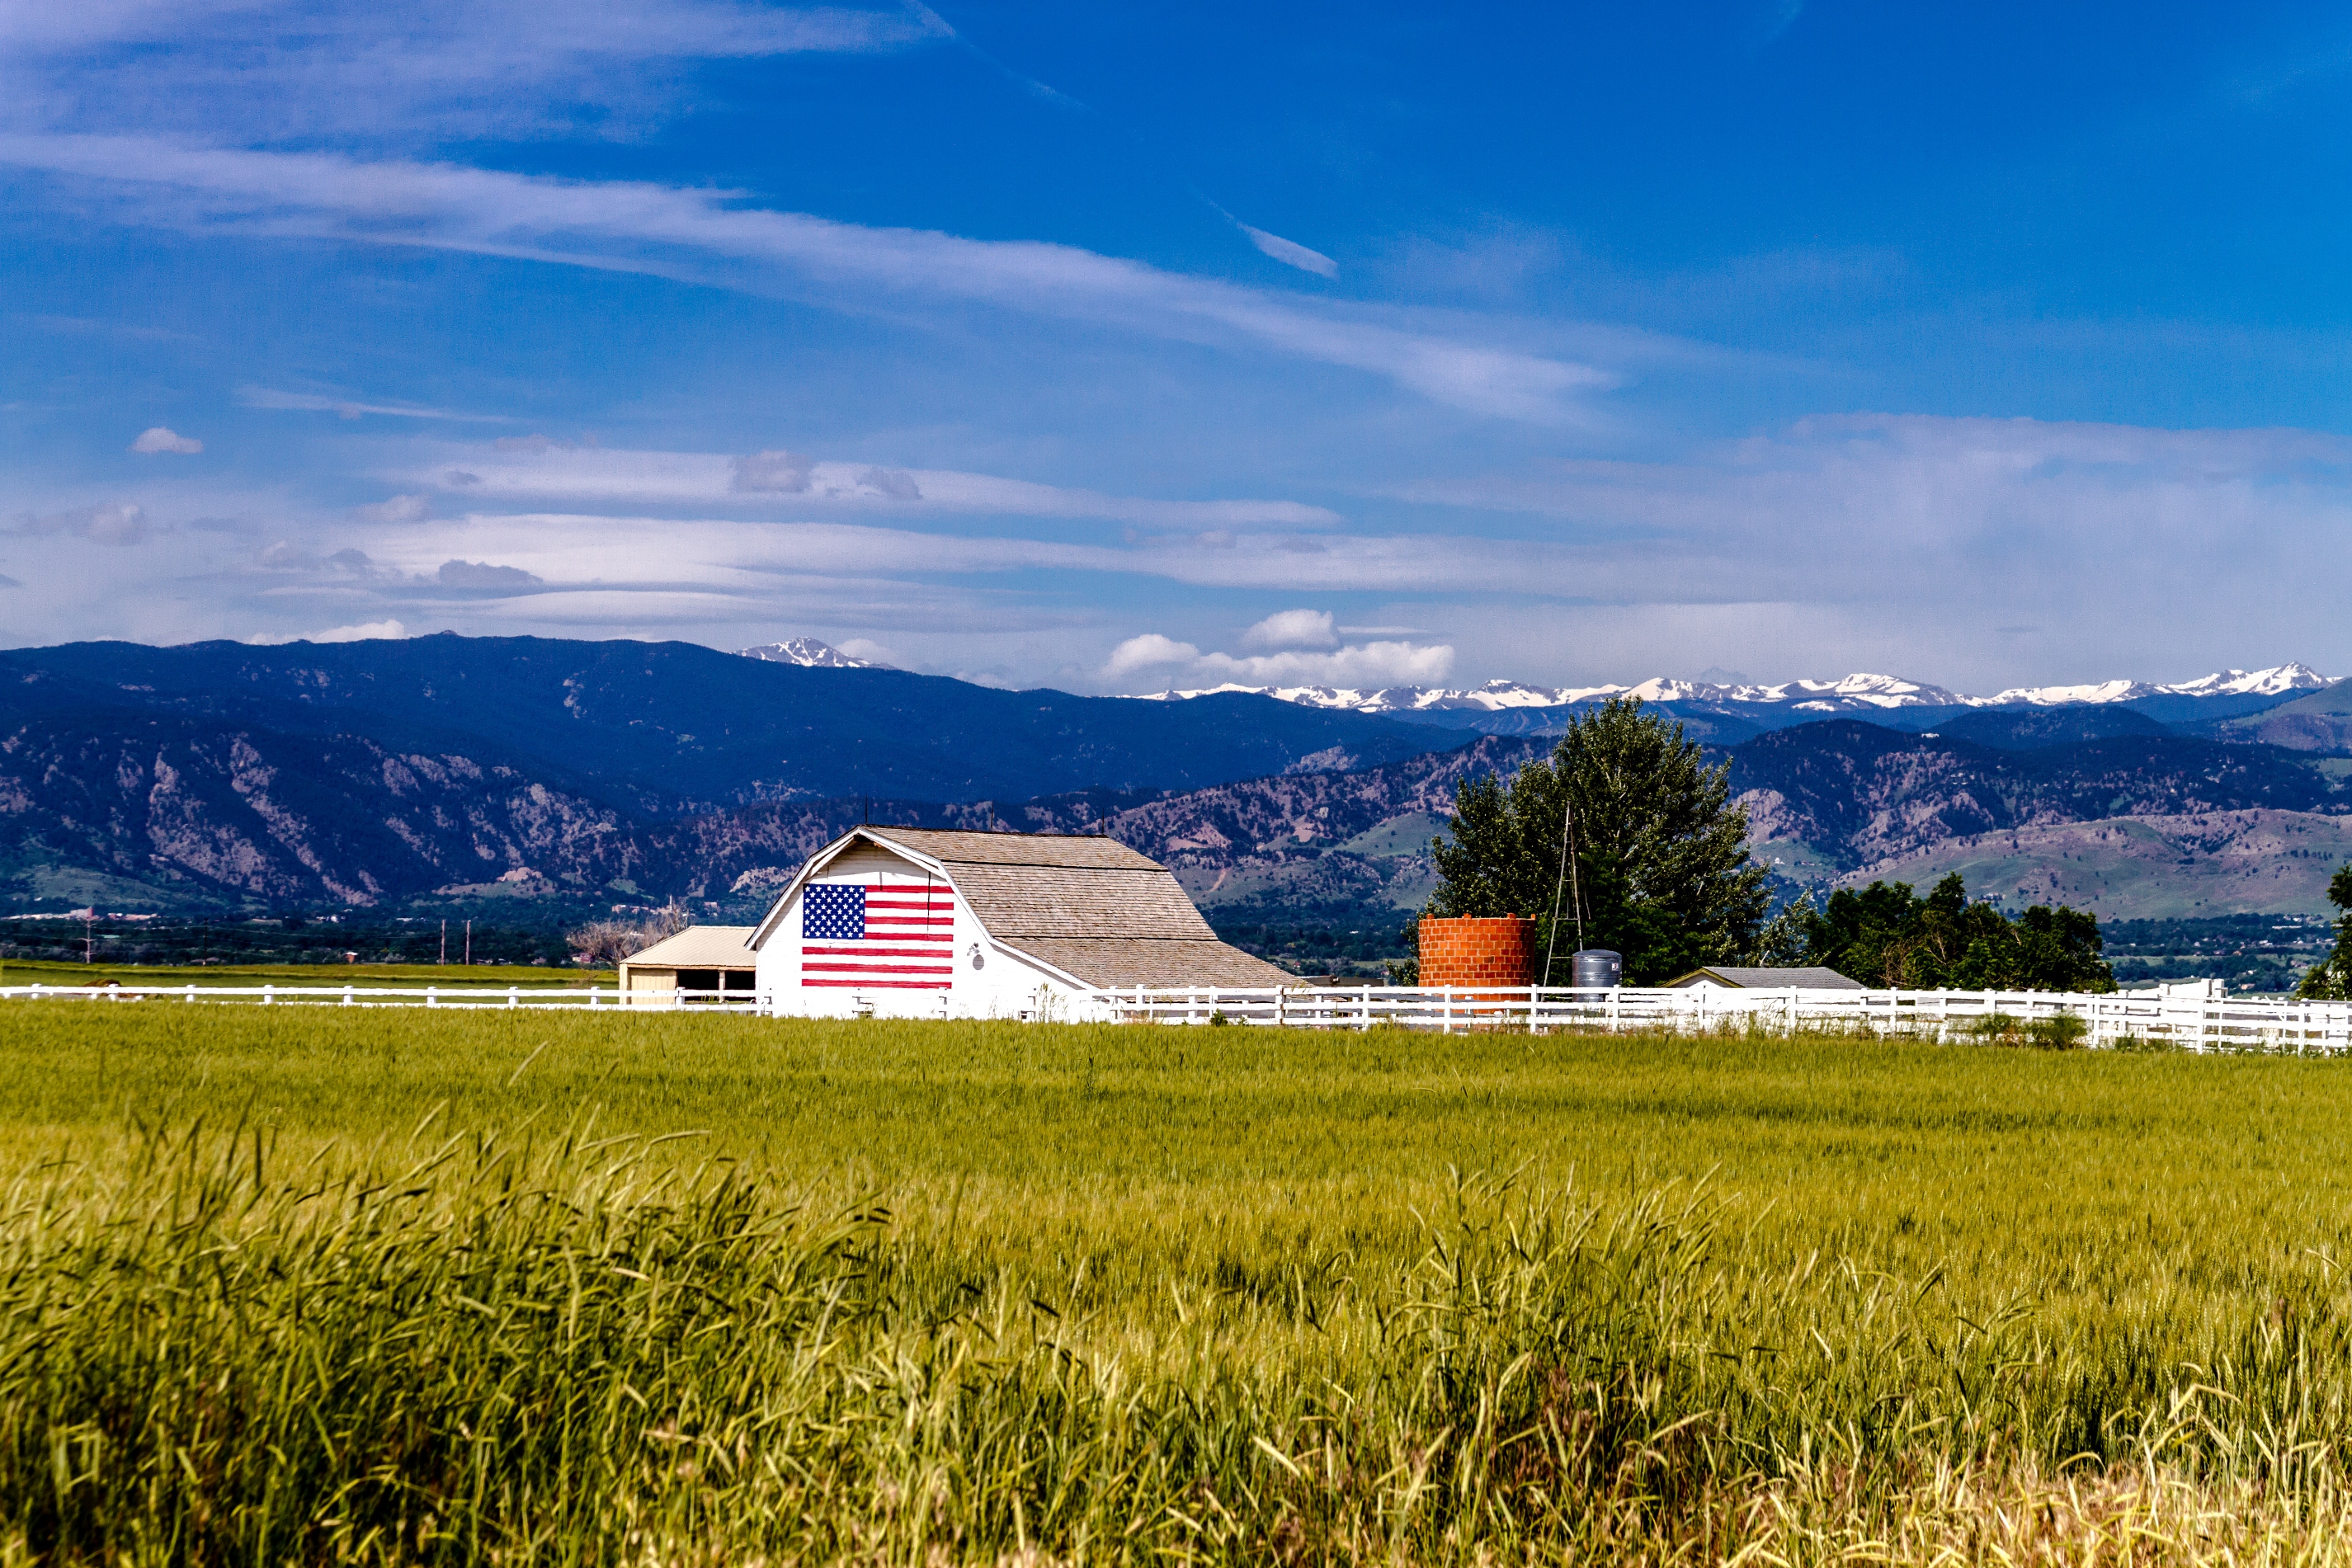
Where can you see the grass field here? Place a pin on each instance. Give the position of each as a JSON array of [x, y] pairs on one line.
[[294, 1284]]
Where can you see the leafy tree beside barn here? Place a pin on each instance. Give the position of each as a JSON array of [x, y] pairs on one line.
[[1661, 874], [1661, 864]]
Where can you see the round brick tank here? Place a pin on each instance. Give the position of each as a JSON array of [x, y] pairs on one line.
[[1470, 950]]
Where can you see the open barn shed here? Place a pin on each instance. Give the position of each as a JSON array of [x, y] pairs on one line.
[[912, 922], [699, 958]]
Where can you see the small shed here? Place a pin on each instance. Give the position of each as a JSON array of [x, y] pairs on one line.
[[699, 958], [927, 923], [1758, 980]]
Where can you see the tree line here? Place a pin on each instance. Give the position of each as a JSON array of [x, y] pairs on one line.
[[1625, 838]]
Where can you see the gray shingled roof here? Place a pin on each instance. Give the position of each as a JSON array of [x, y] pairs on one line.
[[1809, 980], [1072, 850], [1090, 907], [1046, 885]]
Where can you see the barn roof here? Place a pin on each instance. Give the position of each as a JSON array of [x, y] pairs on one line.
[[1052, 885], [700, 947], [1071, 851]]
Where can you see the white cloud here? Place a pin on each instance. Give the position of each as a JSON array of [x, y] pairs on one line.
[[1148, 652], [366, 631], [1359, 667], [872, 652], [156, 440], [707, 237], [398, 510], [1290, 253], [1292, 629]]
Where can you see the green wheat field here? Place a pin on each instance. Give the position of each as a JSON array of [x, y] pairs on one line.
[[309, 1285]]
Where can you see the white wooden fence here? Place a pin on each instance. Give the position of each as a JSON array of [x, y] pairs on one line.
[[2195, 1017], [2192, 1017]]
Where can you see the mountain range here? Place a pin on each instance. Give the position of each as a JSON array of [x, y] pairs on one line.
[[375, 774]]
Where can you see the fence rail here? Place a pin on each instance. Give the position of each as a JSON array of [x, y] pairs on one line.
[[2194, 1018]]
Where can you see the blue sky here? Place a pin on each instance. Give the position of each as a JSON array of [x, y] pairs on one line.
[[1117, 348]]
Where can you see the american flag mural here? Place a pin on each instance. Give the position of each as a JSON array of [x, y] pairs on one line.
[[878, 935]]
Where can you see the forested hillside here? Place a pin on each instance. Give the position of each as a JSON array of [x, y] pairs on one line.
[[372, 775]]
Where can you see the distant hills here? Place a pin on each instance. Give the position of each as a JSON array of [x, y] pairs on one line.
[[366, 772], [375, 774]]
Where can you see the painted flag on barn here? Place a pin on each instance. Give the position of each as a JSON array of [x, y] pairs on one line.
[[878, 936]]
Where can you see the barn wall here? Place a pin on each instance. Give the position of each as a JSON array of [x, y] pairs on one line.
[[1003, 986]]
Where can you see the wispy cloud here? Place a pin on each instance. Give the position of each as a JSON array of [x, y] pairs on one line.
[[353, 407], [307, 68], [627, 554], [710, 236], [523, 471], [1290, 253], [118, 523]]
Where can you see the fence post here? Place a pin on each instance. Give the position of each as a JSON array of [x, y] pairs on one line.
[[514, 995], [347, 995], [432, 997], [268, 996]]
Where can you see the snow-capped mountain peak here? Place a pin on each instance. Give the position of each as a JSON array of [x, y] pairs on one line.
[[1856, 693], [809, 653]]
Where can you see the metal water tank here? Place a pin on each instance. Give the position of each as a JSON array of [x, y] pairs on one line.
[[1596, 967]]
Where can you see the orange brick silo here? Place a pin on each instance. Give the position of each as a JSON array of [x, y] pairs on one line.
[[1470, 950]]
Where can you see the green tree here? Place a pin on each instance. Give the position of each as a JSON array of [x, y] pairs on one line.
[[2330, 979], [1661, 864]]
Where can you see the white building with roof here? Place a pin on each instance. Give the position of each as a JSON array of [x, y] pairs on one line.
[[700, 958], [920, 923]]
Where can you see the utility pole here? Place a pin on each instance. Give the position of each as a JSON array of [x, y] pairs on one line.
[[89, 942], [470, 943], [444, 939]]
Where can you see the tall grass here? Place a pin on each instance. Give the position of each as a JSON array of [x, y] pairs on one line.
[[1119, 1294]]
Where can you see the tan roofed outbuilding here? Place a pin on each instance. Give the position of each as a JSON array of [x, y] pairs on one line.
[[699, 958]]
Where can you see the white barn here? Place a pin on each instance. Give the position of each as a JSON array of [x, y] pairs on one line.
[[918, 922]]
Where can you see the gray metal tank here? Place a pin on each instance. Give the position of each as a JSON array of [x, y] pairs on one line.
[[1594, 967]]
